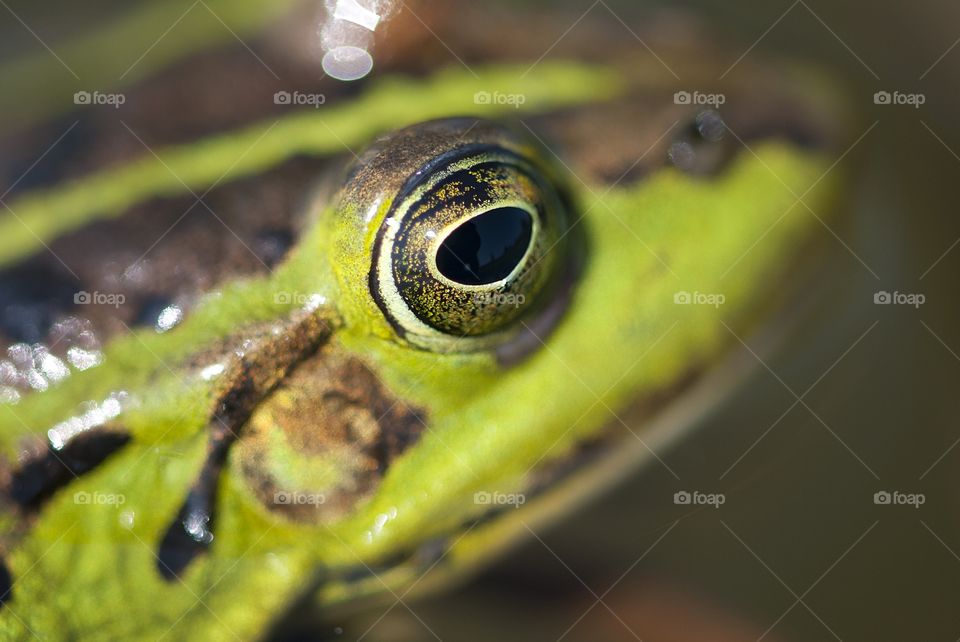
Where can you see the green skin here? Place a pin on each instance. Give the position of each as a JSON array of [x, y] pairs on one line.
[[86, 571]]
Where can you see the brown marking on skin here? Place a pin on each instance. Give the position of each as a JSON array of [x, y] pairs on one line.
[[334, 414], [266, 356], [222, 88], [185, 251]]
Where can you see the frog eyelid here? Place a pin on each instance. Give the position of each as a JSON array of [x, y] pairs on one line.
[[445, 163]]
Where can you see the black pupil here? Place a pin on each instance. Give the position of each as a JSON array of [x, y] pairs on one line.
[[486, 248]]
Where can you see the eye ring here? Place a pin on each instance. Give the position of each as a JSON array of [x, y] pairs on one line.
[[499, 199]]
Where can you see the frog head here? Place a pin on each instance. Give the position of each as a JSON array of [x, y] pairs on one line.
[[523, 311]]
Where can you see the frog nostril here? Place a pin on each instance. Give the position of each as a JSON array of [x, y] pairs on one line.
[[486, 248], [710, 126], [701, 150], [271, 245]]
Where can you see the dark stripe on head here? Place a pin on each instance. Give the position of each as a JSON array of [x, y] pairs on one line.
[[39, 477], [207, 94], [267, 360]]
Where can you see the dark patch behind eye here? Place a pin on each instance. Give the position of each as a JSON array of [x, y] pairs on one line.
[[486, 248], [271, 245]]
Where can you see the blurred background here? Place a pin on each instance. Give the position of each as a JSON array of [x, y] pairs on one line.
[[800, 550]]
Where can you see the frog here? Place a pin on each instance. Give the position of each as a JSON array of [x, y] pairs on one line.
[[391, 336]]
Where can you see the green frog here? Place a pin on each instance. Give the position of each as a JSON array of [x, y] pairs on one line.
[[330, 351]]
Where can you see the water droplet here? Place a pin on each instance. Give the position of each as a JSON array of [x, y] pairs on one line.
[[9, 395], [37, 381], [682, 155], [196, 526], [314, 301], [127, 519], [347, 63], [372, 210], [21, 355], [212, 371], [94, 415], [710, 125], [137, 273], [9, 374], [83, 359], [169, 317], [52, 367]]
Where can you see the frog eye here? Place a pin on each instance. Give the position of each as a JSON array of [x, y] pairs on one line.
[[471, 243]]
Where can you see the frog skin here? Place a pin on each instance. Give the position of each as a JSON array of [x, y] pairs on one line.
[[334, 409]]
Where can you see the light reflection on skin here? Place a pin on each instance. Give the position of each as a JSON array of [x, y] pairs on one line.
[[94, 415], [36, 366]]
